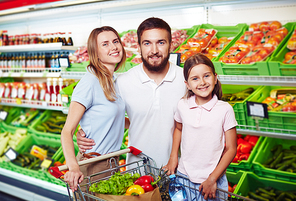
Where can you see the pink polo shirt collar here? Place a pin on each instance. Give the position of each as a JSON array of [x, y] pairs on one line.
[[208, 106]]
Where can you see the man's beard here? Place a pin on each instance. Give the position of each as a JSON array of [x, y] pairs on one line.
[[155, 68]]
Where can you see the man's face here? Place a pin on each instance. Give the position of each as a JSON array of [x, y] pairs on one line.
[[154, 48]]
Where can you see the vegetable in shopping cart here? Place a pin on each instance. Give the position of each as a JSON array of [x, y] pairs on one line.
[[147, 182], [116, 185], [135, 190]]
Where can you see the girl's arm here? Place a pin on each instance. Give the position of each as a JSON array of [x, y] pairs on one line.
[[74, 175], [173, 161], [210, 185]]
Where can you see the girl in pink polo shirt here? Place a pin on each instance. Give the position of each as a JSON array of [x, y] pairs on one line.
[[205, 129]]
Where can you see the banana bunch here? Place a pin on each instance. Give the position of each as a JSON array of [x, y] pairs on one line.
[[239, 96]]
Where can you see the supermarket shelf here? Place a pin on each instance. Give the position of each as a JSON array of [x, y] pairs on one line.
[[30, 188], [36, 47], [72, 75], [31, 104], [267, 132], [258, 80], [30, 72]]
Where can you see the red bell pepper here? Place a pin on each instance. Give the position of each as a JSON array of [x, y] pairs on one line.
[[244, 147], [253, 140], [235, 160], [244, 157], [147, 182], [240, 140]]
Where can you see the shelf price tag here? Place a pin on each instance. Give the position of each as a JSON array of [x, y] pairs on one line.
[[65, 98], [44, 73], [175, 58], [46, 163], [18, 101], [257, 109], [11, 154], [3, 115]]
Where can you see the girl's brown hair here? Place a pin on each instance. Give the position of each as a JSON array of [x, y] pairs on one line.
[[194, 61], [96, 67]]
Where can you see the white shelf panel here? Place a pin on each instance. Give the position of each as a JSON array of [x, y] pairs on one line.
[[258, 80], [36, 47], [267, 132], [30, 72], [31, 104], [72, 75]]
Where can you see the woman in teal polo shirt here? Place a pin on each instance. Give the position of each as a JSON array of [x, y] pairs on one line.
[[95, 104]]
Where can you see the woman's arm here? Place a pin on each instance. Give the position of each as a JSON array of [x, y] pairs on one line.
[[74, 175], [173, 161], [209, 186]]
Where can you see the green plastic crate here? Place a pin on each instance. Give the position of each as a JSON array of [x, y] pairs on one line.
[[264, 154], [238, 106], [78, 67], [246, 165], [68, 91], [25, 145], [250, 182], [223, 31], [234, 178], [43, 118], [286, 121], [276, 67], [13, 112], [258, 68]]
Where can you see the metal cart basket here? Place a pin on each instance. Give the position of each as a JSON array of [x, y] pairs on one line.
[[145, 165]]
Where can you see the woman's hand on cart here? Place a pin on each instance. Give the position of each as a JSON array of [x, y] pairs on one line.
[[208, 188], [171, 166], [83, 142], [73, 177]]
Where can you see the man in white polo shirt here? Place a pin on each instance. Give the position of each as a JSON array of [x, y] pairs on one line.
[[151, 92]]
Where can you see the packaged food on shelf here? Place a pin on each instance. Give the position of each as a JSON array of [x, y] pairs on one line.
[[178, 37], [262, 46], [129, 41]]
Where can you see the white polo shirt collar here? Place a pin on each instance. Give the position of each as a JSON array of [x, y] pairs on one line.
[[170, 76], [208, 106]]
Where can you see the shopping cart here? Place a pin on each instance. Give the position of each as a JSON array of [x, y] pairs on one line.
[[144, 166]]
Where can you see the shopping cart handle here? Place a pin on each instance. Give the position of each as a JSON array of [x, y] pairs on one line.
[[55, 171]]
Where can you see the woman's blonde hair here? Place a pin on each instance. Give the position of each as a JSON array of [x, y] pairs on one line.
[[95, 65]]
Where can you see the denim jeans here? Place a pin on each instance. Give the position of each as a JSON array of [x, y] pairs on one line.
[[192, 189]]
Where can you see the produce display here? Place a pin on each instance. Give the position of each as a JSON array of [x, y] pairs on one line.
[[25, 118], [245, 145], [79, 56], [290, 57], [130, 43], [199, 42], [269, 193], [283, 99], [282, 159], [256, 44], [239, 96], [53, 124], [8, 139], [33, 162], [292, 41], [216, 46], [178, 37]]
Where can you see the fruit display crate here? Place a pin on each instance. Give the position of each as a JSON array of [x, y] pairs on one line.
[[246, 165], [43, 119], [238, 106], [250, 182], [24, 146], [257, 68], [78, 67], [13, 112], [264, 153], [276, 120], [234, 178], [276, 65], [223, 31]]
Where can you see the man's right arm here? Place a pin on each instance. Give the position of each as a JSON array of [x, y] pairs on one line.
[[83, 142]]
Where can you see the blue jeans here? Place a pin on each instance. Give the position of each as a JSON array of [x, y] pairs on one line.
[[192, 189]]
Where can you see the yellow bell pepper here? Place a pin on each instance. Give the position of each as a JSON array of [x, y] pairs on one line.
[[135, 190]]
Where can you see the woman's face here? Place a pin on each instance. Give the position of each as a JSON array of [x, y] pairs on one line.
[[109, 49]]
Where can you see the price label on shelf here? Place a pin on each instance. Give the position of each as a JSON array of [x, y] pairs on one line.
[[65, 98], [18, 101], [3, 115], [44, 73], [22, 74], [11, 154], [46, 163], [257, 109], [44, 104]]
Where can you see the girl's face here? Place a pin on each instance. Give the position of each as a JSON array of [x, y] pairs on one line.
[[109, 49], [201, 81]]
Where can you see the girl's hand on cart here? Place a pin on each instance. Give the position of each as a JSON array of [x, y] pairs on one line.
[[208, 188], [83, 142], [73, 177], [171, 166]]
